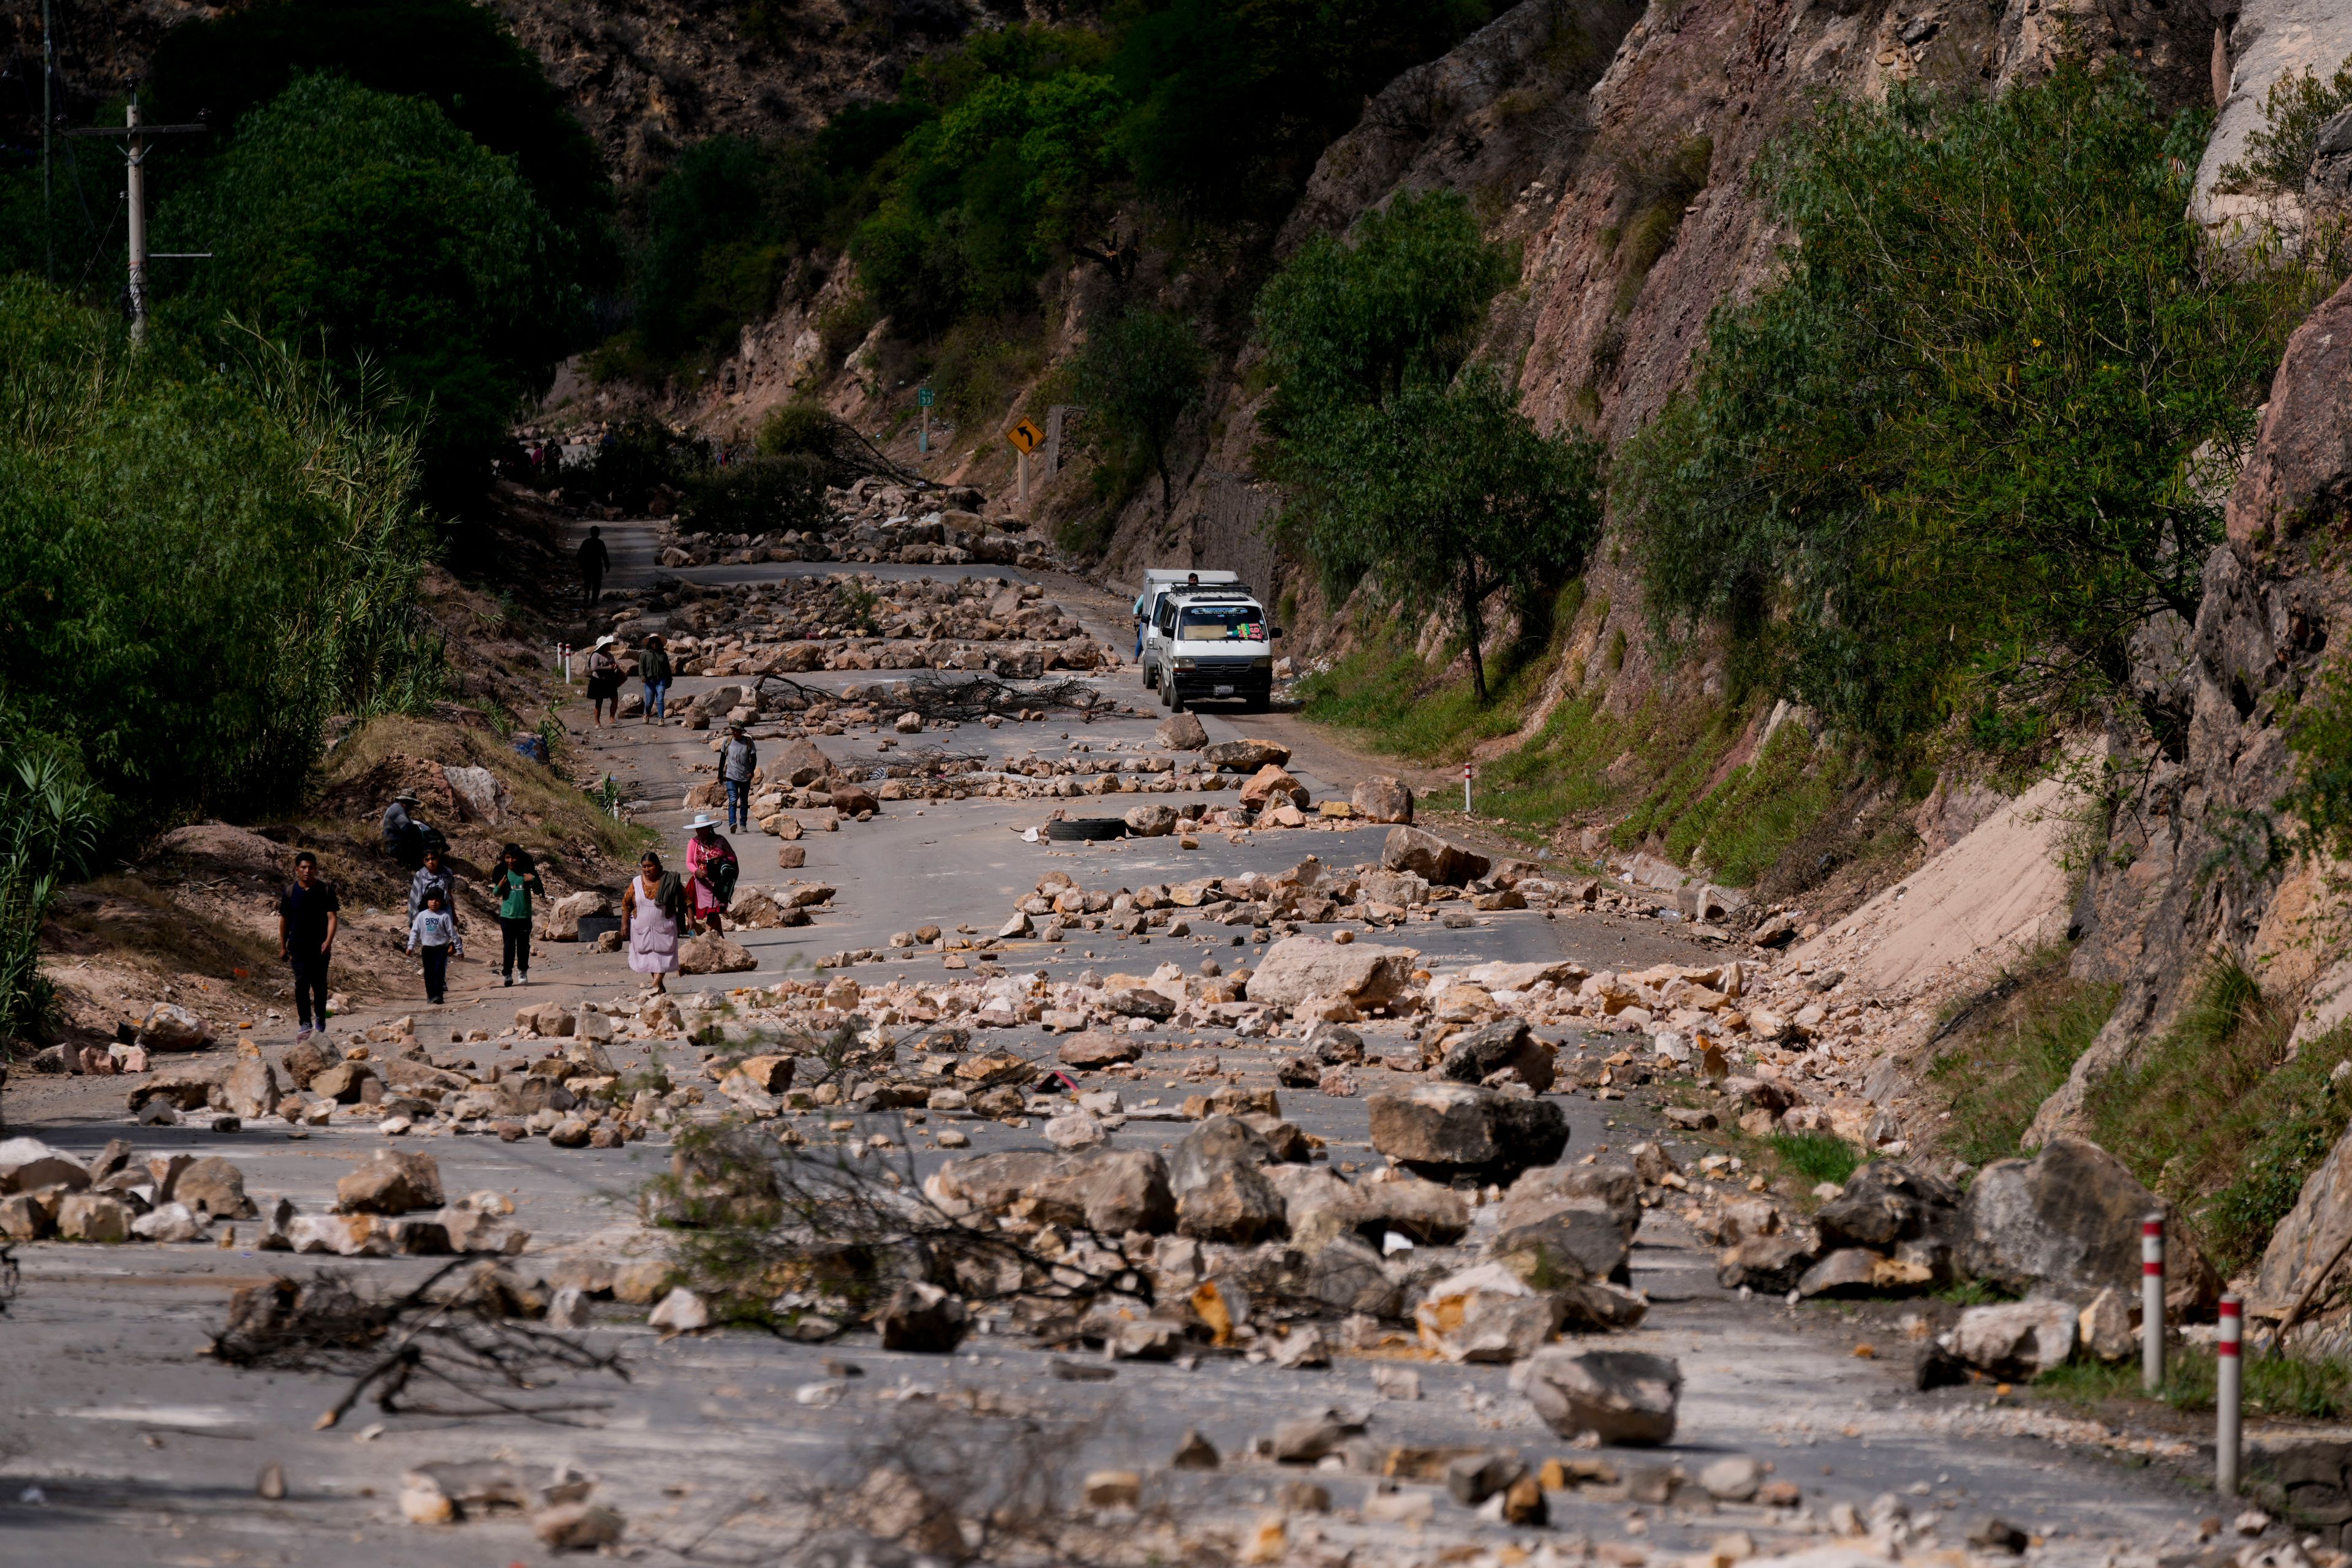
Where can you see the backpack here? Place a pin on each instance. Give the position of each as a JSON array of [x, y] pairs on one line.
[[721, 874]]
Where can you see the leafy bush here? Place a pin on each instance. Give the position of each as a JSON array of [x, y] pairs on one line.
[[1138, 374], [372, 227], [2278, 155], [1968, 445], [49, 822], [1393, 456], [757, 495], [633, 461], [200, 567], [1998, 1068], [2214, 1115]]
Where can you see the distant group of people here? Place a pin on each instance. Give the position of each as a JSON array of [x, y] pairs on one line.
[[605, 674]]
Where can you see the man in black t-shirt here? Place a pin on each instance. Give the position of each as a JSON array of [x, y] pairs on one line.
[[308, 916]]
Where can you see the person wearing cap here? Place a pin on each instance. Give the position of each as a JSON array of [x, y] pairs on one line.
[[739, 760], [711, 870], [654, 669], [403, 835], [604, 682], [593, 559]]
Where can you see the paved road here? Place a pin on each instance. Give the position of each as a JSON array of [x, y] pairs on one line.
[[119, 1446]]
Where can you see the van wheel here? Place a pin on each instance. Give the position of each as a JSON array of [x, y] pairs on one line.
[[1150, 679], [1175, 699]]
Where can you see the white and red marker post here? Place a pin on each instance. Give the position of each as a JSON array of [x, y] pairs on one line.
[[2228, 1389], [2151, 1304], [1465, 789]]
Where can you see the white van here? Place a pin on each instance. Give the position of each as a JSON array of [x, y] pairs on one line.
[[1156, 584], [1209, 643]]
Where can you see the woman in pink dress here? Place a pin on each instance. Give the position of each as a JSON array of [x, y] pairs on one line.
[[653, 911], [710, 869]]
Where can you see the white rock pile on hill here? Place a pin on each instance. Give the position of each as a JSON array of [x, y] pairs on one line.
[[864, 622], [876, 521]]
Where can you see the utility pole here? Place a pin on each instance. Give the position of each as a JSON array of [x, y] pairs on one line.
[[134, 156], [48, 114]]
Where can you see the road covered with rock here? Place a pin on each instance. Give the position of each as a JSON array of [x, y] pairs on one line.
[[1098, 1139]]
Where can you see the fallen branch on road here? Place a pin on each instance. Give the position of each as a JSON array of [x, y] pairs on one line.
[[464, 1332]]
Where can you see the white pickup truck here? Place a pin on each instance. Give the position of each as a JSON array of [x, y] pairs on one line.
[[1209, 643]]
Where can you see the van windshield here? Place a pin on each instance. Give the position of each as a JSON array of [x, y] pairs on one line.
[[1221, 623]]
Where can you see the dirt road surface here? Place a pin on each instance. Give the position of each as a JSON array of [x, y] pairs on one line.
[[120, 1444]]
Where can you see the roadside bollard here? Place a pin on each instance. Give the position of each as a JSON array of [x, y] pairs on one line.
[[2151, 1304], [2227, 1390]]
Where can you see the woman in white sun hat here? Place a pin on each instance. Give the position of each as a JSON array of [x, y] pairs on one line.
[[711, 868]]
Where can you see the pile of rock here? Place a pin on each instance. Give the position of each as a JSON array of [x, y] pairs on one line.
[[554, 1500], [858, 622], [874, 520], [46, 1193]]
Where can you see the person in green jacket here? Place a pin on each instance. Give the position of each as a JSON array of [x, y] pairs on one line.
[[653, 667], [517, 880]]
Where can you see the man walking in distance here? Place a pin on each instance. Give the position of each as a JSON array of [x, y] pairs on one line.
[[593, 559], [738, 760], [308, 916]]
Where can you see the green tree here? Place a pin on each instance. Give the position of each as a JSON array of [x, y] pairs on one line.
[[459, 55], [1140, 374], [1456, 497], [371, 229], [1972, 442], [1393, 455]]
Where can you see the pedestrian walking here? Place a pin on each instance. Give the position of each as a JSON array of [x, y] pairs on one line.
[[652, 912], [739, 760], [604, 682], [517, 880], [593, 559], [712, 870], [432, 935], [435, 873], [654, 669], [308, 916], [403, 835]]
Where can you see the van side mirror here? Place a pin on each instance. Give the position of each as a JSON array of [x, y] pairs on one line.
[[1278, 631]]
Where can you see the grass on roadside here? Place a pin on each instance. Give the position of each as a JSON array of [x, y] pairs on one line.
[[2013, 1052], [549, 811], [2214, 1115], [1816, 1157], [2316, 1389]]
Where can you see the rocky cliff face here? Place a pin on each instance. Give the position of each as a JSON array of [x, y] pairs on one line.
[[2196, 857]]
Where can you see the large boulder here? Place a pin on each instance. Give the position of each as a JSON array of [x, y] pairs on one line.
[[2066, 1222], [1270, 785], [252, 1089], [1445, 1130], [1426, 855], [1180, 733], [799, 766], [215, 1188], [393, 1182], [1486, 1313], [1885, 1203], [1220, 1193], [2297, 480], [1110, 1191], [27, 1165], [1622, 1397], [1152, 821], [2017, 1339], [710, 954], [1246, 756], [1298, 967], [1380, 798], [169, 1026], [1549, 1237], [1475, 1054], [559, 919], [1093, 1048]]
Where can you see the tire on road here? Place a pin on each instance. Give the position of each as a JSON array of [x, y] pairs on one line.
[[1085, 829]]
